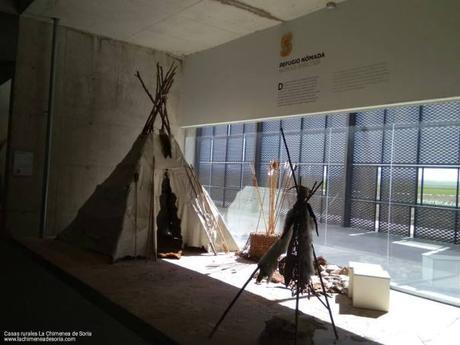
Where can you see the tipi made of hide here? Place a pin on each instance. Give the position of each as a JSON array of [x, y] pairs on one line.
[[119, 218]]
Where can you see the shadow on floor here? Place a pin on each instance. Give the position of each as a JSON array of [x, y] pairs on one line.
[[37, 297], [346, 307]]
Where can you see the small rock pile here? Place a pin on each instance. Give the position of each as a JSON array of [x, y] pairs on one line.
[[335, 278]]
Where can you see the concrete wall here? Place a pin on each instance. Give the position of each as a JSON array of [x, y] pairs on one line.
[[5, 90], [370, 53], [100, 110]]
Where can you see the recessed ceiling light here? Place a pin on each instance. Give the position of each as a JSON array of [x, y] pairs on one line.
[[331, 5]]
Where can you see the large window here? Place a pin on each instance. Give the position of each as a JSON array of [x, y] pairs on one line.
[[389, 172]]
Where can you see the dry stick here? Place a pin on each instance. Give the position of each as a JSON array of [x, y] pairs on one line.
[[314, 190], [324, 292], [159, 104], [280, 196], [215, 222], [253, 171], [155, 242], [281, 179], [271, 176], [161, 91], [164, 117], [202, 209], [232, 303], [283, 198], [135, 215], [206, 230], [168, 80], [207, 207], [156, 103], [314, 185]]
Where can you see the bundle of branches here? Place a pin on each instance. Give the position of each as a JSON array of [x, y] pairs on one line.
[[163, 85], [279, 178]]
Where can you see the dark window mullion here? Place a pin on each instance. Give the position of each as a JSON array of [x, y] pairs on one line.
[[225, 167]]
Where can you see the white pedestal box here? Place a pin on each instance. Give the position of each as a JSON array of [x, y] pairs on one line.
[[369, 286]]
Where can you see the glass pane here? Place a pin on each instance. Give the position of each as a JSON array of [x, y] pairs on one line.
[[389, 194], [440, 186]]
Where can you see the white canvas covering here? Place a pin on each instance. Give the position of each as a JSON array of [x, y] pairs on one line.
[[116, 220]]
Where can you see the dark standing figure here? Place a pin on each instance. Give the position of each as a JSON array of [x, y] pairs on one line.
[[169, 231], [299, 259]]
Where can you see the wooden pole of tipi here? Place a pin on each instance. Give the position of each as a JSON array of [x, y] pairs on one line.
[[153, 217]]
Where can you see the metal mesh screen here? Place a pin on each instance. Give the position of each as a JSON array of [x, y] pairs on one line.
[[205, 149], [292, 125], [230, 195], [232, 175], [403, 115], [250, 127], [207, 131], [204, 174], [403, 187], [335, 193], [271, 126], [250, 148], [400, 146], [436, 224], [237, 128], [221, 130], [370, 118], [219, 149], [368, 146], [336, 146], [449, 111], [314, 122], [312, 147], [293, 143], [339, 120], [364, 182], [439, 145], [218, 175], [363, 215], [270, 146], [235, 149], [395, 219], [217, 195], [246, 175]]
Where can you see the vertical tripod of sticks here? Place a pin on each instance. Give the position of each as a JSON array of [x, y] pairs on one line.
[[324, 303]]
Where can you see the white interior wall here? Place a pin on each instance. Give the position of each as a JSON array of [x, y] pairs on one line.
[[375, 53]]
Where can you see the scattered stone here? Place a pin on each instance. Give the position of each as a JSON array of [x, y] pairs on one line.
[[335, 278], [332, 268], [345, 271]]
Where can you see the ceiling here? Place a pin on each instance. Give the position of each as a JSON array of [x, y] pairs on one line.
[[180, 27]]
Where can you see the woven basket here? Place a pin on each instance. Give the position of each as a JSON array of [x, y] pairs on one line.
[[259, 243]]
